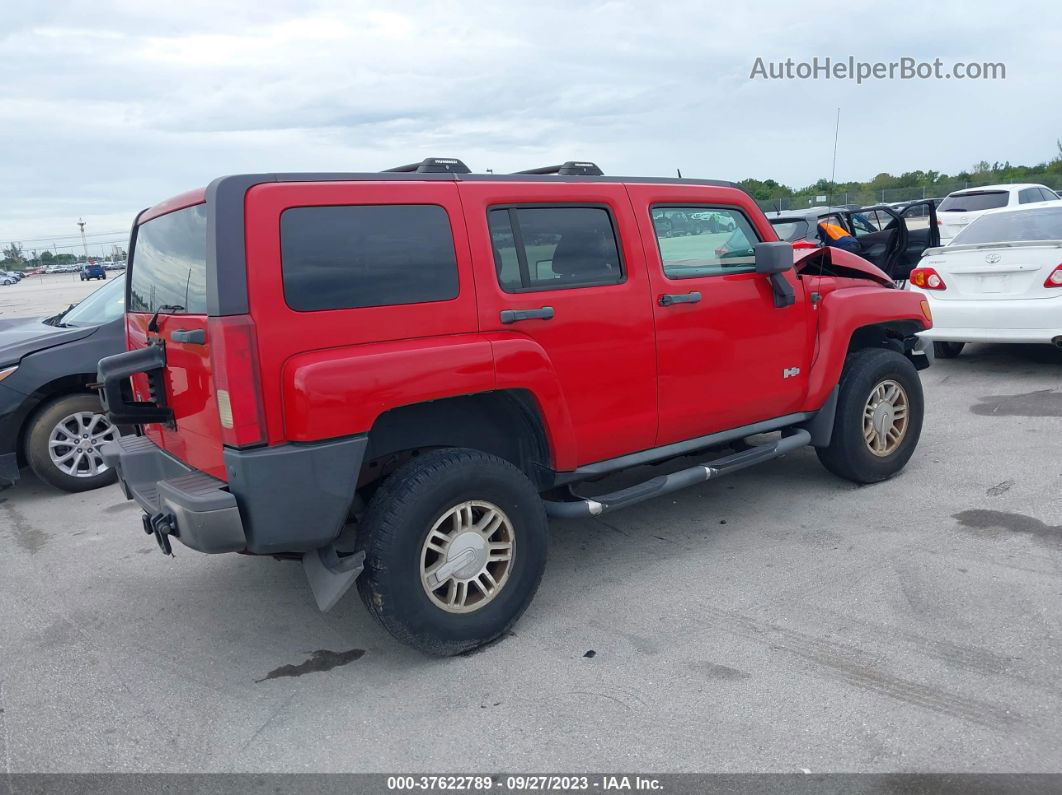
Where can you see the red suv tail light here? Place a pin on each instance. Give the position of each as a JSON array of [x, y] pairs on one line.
[[1055, 278], [234, 356], [927, 279]]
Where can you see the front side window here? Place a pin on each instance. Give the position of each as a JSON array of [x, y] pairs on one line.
[[554, 248], [349, 257], [169, 264], [1030, 196], [729, 250]]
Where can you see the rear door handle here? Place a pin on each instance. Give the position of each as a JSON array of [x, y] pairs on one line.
[[688, 298], [514, 315], [194, 337]]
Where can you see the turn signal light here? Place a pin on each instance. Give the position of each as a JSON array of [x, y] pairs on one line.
[[1055, 279], [927, 279]]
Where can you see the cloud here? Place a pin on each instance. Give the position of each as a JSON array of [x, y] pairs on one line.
[[112, 106]]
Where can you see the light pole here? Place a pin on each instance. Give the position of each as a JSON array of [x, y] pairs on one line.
[[84, 243]]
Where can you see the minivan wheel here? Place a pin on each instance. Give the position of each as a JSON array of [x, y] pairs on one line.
[[947, 350], [455, 545], [879, 417], [63, 443]]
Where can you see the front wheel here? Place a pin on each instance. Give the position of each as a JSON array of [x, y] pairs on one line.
[[63, 443], [455, 546], [947, 350], [879, 417]]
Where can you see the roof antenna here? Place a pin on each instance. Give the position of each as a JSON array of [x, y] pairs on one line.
[[679, 172]]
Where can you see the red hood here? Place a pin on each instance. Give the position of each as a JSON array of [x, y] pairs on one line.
[[840, 263]]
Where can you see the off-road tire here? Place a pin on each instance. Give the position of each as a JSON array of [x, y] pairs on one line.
[[399, 517], [848, 454], [37, 444], [947, 350]]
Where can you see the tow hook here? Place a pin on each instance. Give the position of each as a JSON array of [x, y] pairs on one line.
[[162, 527]]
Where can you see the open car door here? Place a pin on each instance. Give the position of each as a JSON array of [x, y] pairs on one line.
[[894, 239], [920, 220]]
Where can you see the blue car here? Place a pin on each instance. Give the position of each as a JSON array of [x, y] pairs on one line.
[[93, 272]]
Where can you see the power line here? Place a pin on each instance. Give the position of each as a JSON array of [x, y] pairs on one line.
[[122, 232]]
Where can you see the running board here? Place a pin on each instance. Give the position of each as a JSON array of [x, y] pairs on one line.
[[583, 507]]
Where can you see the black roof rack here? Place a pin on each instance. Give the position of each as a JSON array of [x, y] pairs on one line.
[[434, 165], [581, 168]]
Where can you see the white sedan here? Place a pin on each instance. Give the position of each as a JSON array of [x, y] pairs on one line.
[[999, 280]]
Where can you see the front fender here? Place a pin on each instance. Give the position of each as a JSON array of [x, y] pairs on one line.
[[842, 313]]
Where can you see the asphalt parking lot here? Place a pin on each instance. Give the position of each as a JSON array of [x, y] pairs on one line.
[[776, 620]]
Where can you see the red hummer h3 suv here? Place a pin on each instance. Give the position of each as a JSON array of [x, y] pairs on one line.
[[399, 376]]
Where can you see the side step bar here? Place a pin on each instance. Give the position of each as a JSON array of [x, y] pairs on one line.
[[584, 507]]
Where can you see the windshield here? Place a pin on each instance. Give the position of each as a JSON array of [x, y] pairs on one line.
[[102, 306], [790, 231], [1016, 226], [168, 263], [972, 202]]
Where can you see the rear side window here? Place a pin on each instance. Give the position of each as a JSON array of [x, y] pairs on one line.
[[554, 248], [972, 202], [790, 231], [688, 256], [168, 265], [351, 257]]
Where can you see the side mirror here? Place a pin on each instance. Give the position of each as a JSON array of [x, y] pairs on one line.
[[773, 260], [773, 257]]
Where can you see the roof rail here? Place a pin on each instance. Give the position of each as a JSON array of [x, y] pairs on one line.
[[434, 165], [581, 168]]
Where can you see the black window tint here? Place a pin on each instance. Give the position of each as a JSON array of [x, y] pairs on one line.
[[168, 265], [706, 253], [358, 256], [1030, 196], [1049, 195], [549, 248]]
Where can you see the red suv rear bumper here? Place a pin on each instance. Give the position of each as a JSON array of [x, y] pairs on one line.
[[289, 498]]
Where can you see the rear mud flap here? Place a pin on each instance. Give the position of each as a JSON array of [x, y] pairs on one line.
[[330, 576]]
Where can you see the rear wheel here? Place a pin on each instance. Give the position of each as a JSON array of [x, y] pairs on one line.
[[879, 417], [455, 546], [947, 350], [63, 443]]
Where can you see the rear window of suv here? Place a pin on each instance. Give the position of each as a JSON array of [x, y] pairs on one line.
[[351, 257], [168, 264], [972, 202]]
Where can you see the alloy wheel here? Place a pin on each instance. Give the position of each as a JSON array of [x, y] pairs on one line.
[[74, 444]]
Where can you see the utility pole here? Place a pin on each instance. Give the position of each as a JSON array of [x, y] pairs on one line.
[[833, 169], [84, 243]]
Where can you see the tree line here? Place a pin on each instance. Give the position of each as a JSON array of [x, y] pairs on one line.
[[934, 182]]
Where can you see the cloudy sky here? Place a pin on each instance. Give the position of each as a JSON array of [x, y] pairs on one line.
[[110, 106]]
